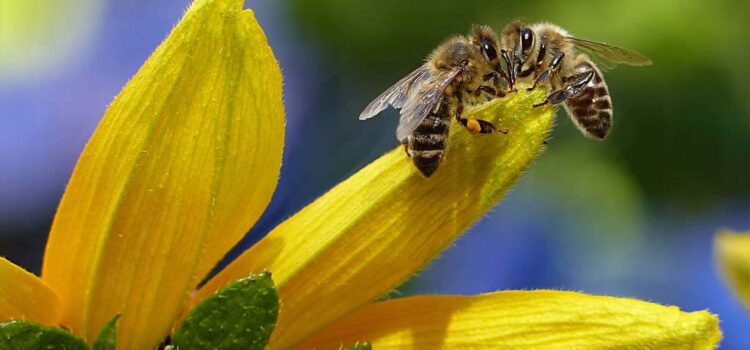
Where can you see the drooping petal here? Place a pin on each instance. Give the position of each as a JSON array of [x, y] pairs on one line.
[[539, 320], [24, 296], [732, 252], [183, 162], [376, 229]]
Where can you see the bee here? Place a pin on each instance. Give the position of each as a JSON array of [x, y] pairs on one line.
[[546, 54], [462, 70]]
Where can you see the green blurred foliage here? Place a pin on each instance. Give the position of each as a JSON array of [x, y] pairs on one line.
[[41, 36], [682, 128]]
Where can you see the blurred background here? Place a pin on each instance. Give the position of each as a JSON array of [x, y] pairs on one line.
[[633, 216]]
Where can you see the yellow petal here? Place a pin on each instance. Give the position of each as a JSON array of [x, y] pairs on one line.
[[183, 162], [24, 296], [733, 257], [376, 229], [521, 320]]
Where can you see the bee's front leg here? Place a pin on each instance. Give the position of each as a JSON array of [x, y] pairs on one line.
[[488, 90], [495, 90], [553, 67]]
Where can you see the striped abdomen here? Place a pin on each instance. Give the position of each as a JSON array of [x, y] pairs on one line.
[[591, 108], [426, 144]]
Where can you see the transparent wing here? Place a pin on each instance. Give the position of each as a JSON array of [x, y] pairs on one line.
[[602, 63], [608, 56], [397, 94], [422, 101]]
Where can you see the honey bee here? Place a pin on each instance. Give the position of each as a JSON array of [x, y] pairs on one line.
[[462, 70], [567, 65]]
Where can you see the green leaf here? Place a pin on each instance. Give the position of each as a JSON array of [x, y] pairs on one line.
[[107, 336], [24, 335], [359, 346], [240, 316]]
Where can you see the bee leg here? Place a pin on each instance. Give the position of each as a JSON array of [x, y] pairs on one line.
[[479, 126], [495, 89], [539, 79], [406, 149], [573, 86], [526, 72], [489, 90], [552, 68], [470, 124], [473, 125], [499, 90], [484, 88]]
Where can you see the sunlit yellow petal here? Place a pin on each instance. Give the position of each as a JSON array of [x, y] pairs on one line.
[[183, 162], [24, 296], [376, 229], [733, 257], [519, 320]]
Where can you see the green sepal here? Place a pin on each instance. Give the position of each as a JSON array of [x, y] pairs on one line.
[[24, 335], [107, 335], [240, 316]]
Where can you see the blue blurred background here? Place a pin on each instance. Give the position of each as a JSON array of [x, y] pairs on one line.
[[633, 216]]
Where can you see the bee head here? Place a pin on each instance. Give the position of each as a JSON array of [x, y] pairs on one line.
[[517, 40], [483, 38], [510, 37]]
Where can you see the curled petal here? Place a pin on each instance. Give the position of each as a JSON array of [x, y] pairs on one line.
[[518, 320]]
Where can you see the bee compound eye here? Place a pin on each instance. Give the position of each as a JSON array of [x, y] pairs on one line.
[[527, 39], [489, 50]]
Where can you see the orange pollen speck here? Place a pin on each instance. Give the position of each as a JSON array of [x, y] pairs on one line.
[[473, 126]]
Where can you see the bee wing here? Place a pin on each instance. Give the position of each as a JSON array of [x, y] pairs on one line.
[[608, 56], [422, 101], [397, 94]]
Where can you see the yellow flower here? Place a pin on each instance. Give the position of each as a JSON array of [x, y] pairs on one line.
[[732, 251], [186, 159]]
